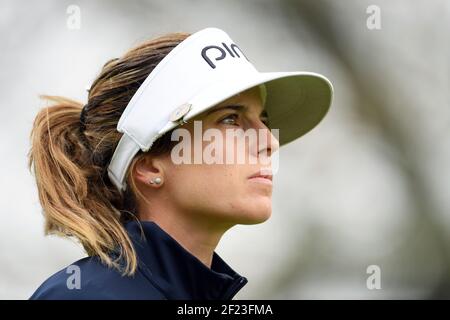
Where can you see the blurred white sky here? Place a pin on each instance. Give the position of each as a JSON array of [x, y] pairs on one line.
[[340, 201]]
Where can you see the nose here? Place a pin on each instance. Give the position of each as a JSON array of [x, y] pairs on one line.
[[269, 142]]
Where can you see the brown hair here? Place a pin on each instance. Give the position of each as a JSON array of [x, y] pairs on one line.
[[71, 149]]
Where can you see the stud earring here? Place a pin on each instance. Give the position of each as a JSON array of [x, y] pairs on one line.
[[156, 180]]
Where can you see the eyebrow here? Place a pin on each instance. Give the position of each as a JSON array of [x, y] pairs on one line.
[[237, 107]]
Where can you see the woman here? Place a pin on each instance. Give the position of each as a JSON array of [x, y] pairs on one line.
[[142, 174]]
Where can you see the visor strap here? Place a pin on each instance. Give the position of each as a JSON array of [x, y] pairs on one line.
[[125, 151]]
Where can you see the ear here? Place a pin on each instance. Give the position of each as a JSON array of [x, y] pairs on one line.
[[147, 169]]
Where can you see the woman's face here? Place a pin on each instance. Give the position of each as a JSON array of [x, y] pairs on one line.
[[219, 185]]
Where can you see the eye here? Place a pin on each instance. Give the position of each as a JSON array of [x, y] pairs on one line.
[[230, 119]]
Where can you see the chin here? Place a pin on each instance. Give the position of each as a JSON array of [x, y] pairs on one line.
[[257, 214]]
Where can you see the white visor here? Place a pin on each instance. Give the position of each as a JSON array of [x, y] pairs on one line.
[[202, 71]]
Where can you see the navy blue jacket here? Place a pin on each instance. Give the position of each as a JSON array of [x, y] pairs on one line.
[[165, 271]]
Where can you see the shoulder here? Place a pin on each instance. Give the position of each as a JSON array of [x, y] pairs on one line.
[[88, 279]]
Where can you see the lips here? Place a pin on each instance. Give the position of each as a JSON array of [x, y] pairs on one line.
[[261, 176]]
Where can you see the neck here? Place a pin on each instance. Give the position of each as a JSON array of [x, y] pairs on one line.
[[198, 237]]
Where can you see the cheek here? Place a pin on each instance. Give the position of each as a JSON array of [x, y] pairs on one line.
[[204, 188], [213, 181], [219, 192]]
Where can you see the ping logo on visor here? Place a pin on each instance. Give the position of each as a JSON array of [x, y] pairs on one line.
[[232, 52]]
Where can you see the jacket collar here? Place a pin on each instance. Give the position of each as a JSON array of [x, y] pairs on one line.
[[177, 272]]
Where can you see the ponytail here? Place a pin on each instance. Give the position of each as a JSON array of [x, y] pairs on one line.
[[75, 201]]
